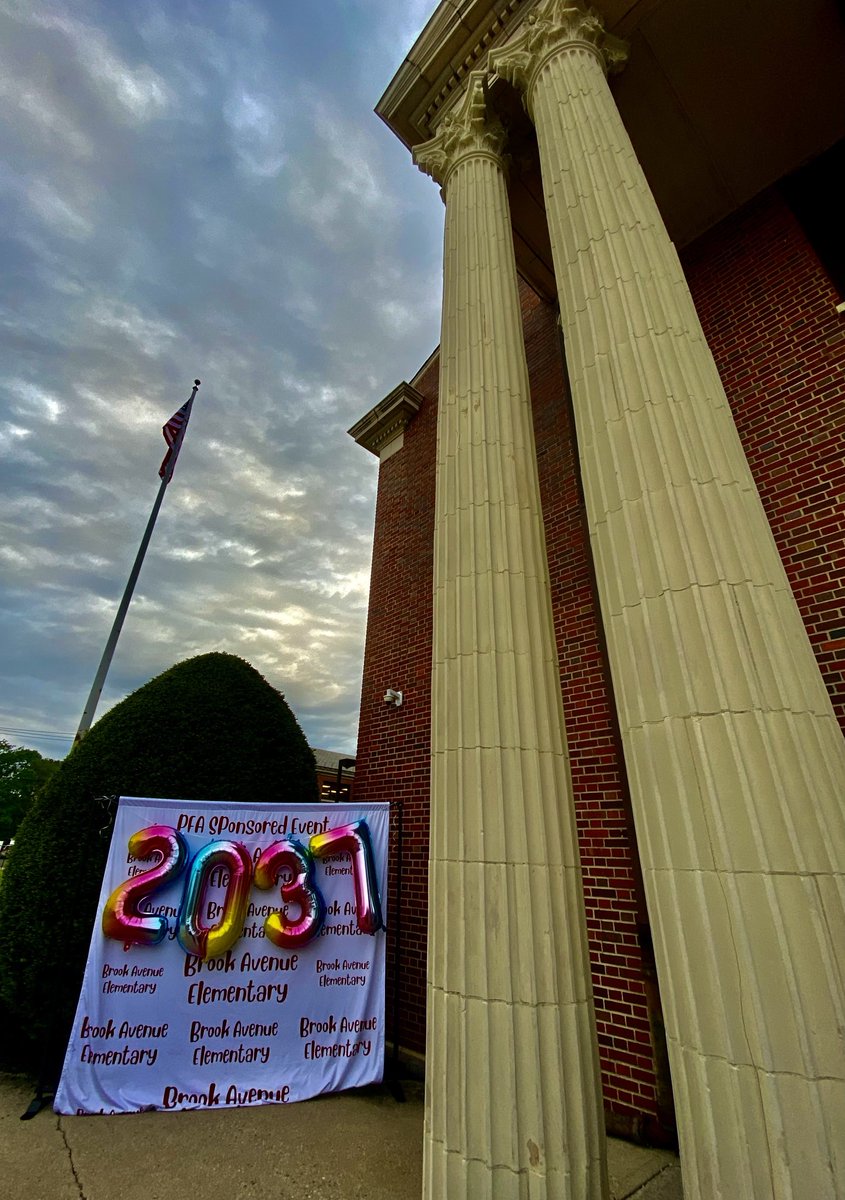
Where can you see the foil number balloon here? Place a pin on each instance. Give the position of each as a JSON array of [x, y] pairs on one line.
[[299, 889], [121, 917], [354, 840], [209, 941], [124, 921]]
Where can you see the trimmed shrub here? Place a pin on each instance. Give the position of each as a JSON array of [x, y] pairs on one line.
[[210, 728]]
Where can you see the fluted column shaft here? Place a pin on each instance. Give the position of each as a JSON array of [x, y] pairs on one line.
[[513, 1106], [734, 755]]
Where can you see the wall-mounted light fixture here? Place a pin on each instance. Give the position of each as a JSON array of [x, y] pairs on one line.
[[392, 696]]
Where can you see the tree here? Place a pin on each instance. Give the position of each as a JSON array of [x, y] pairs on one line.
[[22, 773], [210, 728]]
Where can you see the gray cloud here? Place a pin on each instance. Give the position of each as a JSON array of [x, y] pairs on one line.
[[199, 189]]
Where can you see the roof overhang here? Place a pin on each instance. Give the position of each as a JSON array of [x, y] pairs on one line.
[[720, 98]]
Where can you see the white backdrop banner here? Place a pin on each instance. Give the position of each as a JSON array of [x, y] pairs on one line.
[[237, 958]]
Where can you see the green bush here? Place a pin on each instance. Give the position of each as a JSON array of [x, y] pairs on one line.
[[208, 729]]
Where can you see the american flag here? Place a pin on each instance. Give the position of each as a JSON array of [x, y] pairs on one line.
[[171, 433]]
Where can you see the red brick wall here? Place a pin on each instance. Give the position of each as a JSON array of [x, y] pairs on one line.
[[768, 311], [392, 760], [612, 889]]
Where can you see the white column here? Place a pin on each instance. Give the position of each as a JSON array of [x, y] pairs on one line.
[[513, 1105], [735, 758]]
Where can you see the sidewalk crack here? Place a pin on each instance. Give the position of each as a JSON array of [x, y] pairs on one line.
[[76, 1178]]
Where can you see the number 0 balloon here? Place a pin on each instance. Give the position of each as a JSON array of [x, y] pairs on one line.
[[207, 941]]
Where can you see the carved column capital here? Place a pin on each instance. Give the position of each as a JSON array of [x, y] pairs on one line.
[[555, 25], [467, 132]]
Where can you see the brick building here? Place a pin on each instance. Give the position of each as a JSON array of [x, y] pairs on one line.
[[335, 775], [690, 762]]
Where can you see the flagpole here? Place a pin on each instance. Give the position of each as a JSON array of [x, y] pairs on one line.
[[105, 661]]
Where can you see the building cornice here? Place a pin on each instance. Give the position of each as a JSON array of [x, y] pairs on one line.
[[388, 420], [455, 42]]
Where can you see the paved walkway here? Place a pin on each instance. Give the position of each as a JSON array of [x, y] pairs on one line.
[[356, 1146]]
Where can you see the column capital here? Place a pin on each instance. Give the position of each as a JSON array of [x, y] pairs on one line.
[[555, 25], [466, 132]]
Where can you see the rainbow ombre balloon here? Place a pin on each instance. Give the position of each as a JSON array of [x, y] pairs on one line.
[[208, 941], [300, 890], [354, 840], [287, 862], [122, 919]]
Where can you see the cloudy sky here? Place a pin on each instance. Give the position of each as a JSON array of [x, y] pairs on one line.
[[199, 188]]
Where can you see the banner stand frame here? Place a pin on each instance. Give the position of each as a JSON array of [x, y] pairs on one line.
[[392, 1072]]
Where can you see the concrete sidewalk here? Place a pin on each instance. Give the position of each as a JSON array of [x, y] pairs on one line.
[[356, 1146]]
